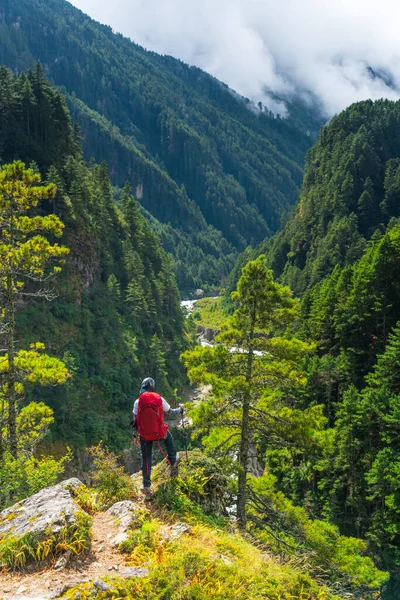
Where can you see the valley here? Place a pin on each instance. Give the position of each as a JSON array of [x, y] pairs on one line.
[[131, 180]]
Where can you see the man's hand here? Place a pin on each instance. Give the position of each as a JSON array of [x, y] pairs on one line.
[[136, 441], [181, 406]]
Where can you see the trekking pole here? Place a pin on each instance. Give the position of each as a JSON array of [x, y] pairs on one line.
[[184, 437]]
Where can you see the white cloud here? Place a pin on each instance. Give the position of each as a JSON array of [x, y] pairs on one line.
[[281, 45]]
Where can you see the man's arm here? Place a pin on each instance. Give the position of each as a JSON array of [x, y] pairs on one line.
[[134, 424], [171, 411]]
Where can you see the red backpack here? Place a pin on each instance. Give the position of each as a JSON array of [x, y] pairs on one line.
[[150, 417]]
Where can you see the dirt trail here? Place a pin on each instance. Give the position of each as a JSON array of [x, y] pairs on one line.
[[103, 559]]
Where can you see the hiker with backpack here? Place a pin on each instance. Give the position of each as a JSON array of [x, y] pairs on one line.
[[148, 420]]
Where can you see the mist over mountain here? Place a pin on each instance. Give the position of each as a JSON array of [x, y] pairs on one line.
[[215, 171], [337, 52]]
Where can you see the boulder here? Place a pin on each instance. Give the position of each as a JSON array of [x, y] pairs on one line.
[[199, 472], [125, 511], [129, 572], [119, 539], [44, 514], [174, 532], [101, 585], [61, 589], [72, 484]]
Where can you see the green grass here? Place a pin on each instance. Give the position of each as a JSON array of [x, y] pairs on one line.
[[209, 313], [18, 551], [204, 564]]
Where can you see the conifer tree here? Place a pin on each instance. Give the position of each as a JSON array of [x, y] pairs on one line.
[[25, 254], [251, 370]]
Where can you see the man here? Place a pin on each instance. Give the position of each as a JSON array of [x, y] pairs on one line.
[[148, 420]]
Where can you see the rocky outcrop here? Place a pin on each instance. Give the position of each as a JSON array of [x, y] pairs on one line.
[[42, 515], [48, 527], [124, 511], [205, 483], [207, 334]]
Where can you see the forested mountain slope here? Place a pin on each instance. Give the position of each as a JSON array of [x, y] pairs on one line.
[[340, 254], [214, 170], [117, 313], [350, 192]]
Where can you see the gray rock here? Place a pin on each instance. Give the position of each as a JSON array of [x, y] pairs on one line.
[[100, 585], [71, 484], [61, 589], [44, 514], [133, 572], [174, 532], [118, 539], [22, 589], [125, 511], [62, 561]]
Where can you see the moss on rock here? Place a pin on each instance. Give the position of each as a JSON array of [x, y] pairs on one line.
[[199, 486]]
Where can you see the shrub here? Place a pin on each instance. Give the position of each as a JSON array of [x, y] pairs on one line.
[[26, 475], [86, 498], [207, 564], [199, 488], [111, 481], [288, 530]]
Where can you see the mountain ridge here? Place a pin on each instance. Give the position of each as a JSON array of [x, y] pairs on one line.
[[240, 166]]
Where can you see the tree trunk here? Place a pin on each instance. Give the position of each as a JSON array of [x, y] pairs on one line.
[[11, 391], [245, 433], [243, 460]]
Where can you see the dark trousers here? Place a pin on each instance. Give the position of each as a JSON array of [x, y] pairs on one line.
[[147, 456]]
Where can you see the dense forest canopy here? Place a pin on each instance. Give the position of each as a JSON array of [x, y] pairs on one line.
[[117, 312], [340, 253], [215, 171], [349, 194]]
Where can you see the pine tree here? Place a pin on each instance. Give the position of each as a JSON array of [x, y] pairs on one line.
[[250, 369], [24, 261]]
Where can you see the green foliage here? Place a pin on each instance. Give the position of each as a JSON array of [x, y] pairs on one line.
[[16, 552], [26, 475], [349, 192], [109, 479], [25, 260], [251, 372], [209, 313], [86, 498], [196, 492], [34, 122], [206, 563], [143, 543], [278, 522], [365, 476], [213, 169], [340, 251], [117, 294], [312, 462]]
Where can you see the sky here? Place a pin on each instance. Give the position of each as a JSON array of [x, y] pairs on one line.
[[308, 47]]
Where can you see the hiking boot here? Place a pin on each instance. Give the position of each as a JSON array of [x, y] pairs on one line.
[[147, 492]]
